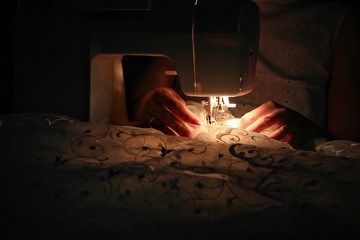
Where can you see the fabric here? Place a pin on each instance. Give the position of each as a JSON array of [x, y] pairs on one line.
[[66, 179]]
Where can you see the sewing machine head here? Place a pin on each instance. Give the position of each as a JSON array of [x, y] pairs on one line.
[[212, 43]]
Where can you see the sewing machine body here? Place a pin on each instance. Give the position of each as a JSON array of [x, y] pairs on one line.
[[71, 61]]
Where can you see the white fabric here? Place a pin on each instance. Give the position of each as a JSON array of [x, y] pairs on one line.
[[66, 179]]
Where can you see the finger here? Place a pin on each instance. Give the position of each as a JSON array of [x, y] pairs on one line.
[[280, 133], [176, 95], [166, 120], [157, 124], [289, 138], [175, 104], [250, 117], [276, 118], [176, 125]]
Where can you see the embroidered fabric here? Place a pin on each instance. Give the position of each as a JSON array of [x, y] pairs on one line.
[[68, 177]]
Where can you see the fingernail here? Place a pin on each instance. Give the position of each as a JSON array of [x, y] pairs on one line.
[[184, 134], [196, 122]]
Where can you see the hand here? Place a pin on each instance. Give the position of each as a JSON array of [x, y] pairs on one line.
[[162, 108], [281, 123]]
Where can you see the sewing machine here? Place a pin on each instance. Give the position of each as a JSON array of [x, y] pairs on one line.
[[212, 43]]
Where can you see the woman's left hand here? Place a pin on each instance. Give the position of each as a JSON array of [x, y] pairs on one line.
[[279, 122]]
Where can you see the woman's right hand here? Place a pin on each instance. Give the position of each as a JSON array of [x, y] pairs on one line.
[[281, 123], [162, 108]]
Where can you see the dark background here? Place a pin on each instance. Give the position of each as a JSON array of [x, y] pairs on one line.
[[7, 15]]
